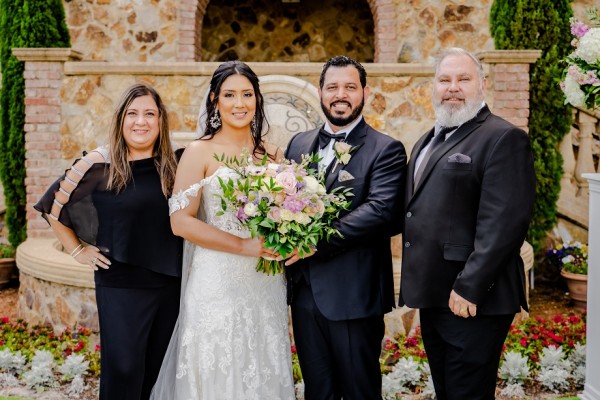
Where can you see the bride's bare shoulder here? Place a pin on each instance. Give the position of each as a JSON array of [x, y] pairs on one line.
[[275, 152]]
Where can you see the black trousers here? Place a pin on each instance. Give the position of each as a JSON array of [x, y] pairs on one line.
[[463, 353], [339, 359], [135, 328]]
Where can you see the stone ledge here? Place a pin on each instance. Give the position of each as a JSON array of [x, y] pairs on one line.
[[188, 68], [510, 56], [44, 259], [46, 54]]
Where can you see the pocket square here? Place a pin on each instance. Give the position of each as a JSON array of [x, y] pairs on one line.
[[344, 176], [459, 158]]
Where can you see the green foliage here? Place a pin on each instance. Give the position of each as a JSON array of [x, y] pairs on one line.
[[542, 25], [23, 23], [20, 336], [7, 251]]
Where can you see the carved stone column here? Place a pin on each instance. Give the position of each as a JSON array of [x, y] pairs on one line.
[[585, 158]]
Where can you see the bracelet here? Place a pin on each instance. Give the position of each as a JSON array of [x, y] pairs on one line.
[[80, 250], [75, 249]]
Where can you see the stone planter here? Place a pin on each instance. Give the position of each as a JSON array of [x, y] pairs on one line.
[[577, 284], [7, 268]]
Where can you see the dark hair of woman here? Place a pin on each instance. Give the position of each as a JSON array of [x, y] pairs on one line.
[[223, 72], [165, 161]]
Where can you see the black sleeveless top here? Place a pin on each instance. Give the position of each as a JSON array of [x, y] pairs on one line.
[[132, 228]]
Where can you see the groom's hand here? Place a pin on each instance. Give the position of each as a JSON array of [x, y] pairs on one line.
[[460, 306], [295, 256]]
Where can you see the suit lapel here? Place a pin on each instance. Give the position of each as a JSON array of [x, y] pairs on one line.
[[355, 138], [461, 133], [413, 160]]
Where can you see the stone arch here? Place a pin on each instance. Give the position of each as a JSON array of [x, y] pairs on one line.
[[191, 15]]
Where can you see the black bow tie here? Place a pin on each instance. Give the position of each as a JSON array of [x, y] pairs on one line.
[[325, 137]]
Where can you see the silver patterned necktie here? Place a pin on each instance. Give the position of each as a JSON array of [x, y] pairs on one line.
[[435, 142]]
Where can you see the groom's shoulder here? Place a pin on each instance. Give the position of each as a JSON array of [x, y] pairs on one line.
[[304, 135]]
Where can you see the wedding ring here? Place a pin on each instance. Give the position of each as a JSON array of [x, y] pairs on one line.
[[94, 260]]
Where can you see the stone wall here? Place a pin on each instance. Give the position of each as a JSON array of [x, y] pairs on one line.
[[201, 30]]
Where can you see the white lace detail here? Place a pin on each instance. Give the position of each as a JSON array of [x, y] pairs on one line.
[[232, 340], [180, 200]]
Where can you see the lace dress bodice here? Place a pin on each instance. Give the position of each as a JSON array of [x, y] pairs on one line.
[[232, 338]]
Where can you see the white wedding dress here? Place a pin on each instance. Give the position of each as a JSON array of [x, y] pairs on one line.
[[231, 341]]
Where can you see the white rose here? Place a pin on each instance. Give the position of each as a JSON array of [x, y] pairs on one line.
[[250, 209], [342, 147], [302, 218], [345, 158], [312, 184], [286, 215]]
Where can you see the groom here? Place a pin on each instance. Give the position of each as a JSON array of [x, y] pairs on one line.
[[339, 293]]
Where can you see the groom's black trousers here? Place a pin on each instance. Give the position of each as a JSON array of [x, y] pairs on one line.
[[135, 328], [338, 358]]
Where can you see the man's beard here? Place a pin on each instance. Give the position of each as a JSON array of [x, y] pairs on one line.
[[455, 115], [342, 121]]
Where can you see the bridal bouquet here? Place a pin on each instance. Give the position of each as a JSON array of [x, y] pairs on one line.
[[285, 203], [581, 77]]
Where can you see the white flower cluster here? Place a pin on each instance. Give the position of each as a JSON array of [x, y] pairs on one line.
[[406, 373], [40, 372], [581, 76], [514, 371], [589, 46], [12, 362], [555, 374]]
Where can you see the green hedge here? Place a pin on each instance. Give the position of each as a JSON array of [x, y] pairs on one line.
[[542, 25], [23, 23]]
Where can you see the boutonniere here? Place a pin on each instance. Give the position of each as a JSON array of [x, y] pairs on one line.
[[343, 153]]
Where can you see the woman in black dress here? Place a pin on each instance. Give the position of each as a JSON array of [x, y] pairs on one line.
[[110, 212]]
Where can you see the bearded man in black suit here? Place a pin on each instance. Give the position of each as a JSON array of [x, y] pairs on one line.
[[340, 293], [469, 201]]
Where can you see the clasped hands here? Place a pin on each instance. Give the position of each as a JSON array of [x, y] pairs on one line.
[[268, 253], [460, 306]]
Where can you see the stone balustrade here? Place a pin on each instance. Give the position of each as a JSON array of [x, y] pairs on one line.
[[580, 150]]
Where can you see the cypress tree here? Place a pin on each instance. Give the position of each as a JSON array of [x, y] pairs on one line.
[[542, 25], [23, 23]]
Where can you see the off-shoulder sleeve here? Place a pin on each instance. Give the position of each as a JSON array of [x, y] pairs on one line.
[[69, 199]]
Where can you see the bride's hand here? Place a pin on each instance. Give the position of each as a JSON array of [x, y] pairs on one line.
[[255, 248]]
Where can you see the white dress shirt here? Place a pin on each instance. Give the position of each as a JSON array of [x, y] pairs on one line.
[[327, 153]]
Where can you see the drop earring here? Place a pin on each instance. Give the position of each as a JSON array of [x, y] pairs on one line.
[[215, 120], [253, 124]]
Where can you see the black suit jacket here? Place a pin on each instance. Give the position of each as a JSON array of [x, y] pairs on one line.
[[467, 218], [351, 276]]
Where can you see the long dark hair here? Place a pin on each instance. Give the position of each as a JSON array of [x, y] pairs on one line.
[[223, 72], [166, 164]]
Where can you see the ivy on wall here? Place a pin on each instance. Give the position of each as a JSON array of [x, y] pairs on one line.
[[542, 25], [23, 23]]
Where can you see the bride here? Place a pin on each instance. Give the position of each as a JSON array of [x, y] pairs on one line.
[[231, 340]]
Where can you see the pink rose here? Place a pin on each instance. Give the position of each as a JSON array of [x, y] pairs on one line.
[[288, 181]]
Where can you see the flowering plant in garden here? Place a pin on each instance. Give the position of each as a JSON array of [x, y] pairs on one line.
[[572, 257], [581, 76], [531, 336], [530, 355], [36, 356], [286, 203]]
